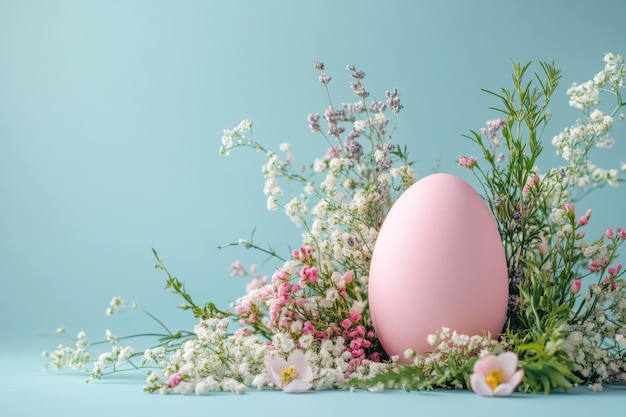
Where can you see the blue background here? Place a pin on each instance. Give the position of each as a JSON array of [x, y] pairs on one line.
[[111, 114]]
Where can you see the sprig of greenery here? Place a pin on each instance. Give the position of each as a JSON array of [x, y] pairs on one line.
[[178, 287]]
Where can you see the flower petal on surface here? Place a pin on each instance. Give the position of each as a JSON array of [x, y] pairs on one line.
[[298, 360], [479, 385], [297, 386], [275, 365], [506, 365], [516, 378], [503, 390]]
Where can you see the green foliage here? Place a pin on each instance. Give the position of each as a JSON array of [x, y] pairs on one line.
[[178, 287]]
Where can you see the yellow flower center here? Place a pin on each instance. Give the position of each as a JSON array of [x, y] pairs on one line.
[[494, 378], [288, 374]]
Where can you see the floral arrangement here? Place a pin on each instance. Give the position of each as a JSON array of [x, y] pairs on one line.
[[307, 325]]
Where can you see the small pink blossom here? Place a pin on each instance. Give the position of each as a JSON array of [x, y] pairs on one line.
[[355, 316], [496, 375], [615, 270], [609, 233], [569, 207], [292, 375], [174, 379], [495, 125], [470, 162], [346, 324], [585, 218], [593, 266], [575, 287], [280, 275]]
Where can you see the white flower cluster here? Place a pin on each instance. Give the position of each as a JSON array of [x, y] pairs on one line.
[[216, 361], [233, 137], [75, 358], [119, 356], [587, 94], [452, 347], [213, 361], [575, 142], [597, 345]]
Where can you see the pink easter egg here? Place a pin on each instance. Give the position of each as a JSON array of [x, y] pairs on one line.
[[438, 262]]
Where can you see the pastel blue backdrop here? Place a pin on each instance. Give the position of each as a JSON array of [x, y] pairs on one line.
[[111, 114]]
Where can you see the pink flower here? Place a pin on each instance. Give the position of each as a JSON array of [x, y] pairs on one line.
[[292, 375], [174, 379], [355, 316], [585, 218], [609, 233], [593, 266], [496, 375], [470, 162], [348, 277], [575, 287], [615, 270], [495, 125]]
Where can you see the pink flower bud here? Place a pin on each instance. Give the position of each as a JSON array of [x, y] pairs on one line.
[[575, 287], [609, 233], [569, 207], [355, 316], [467, 162], [174, 379]]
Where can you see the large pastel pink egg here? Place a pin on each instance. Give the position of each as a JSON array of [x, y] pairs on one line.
[[438, 262]]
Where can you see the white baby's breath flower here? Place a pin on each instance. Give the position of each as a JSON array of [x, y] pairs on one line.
[[111, 337], [272, 204], [359, 125]]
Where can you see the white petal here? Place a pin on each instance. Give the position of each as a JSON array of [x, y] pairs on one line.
[[275, 365], [507, 362], [516, 378], [503, 390], [298, 360], [479, 385], [297, 386]]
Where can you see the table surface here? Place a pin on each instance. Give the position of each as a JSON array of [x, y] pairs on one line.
[[27, 390]]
